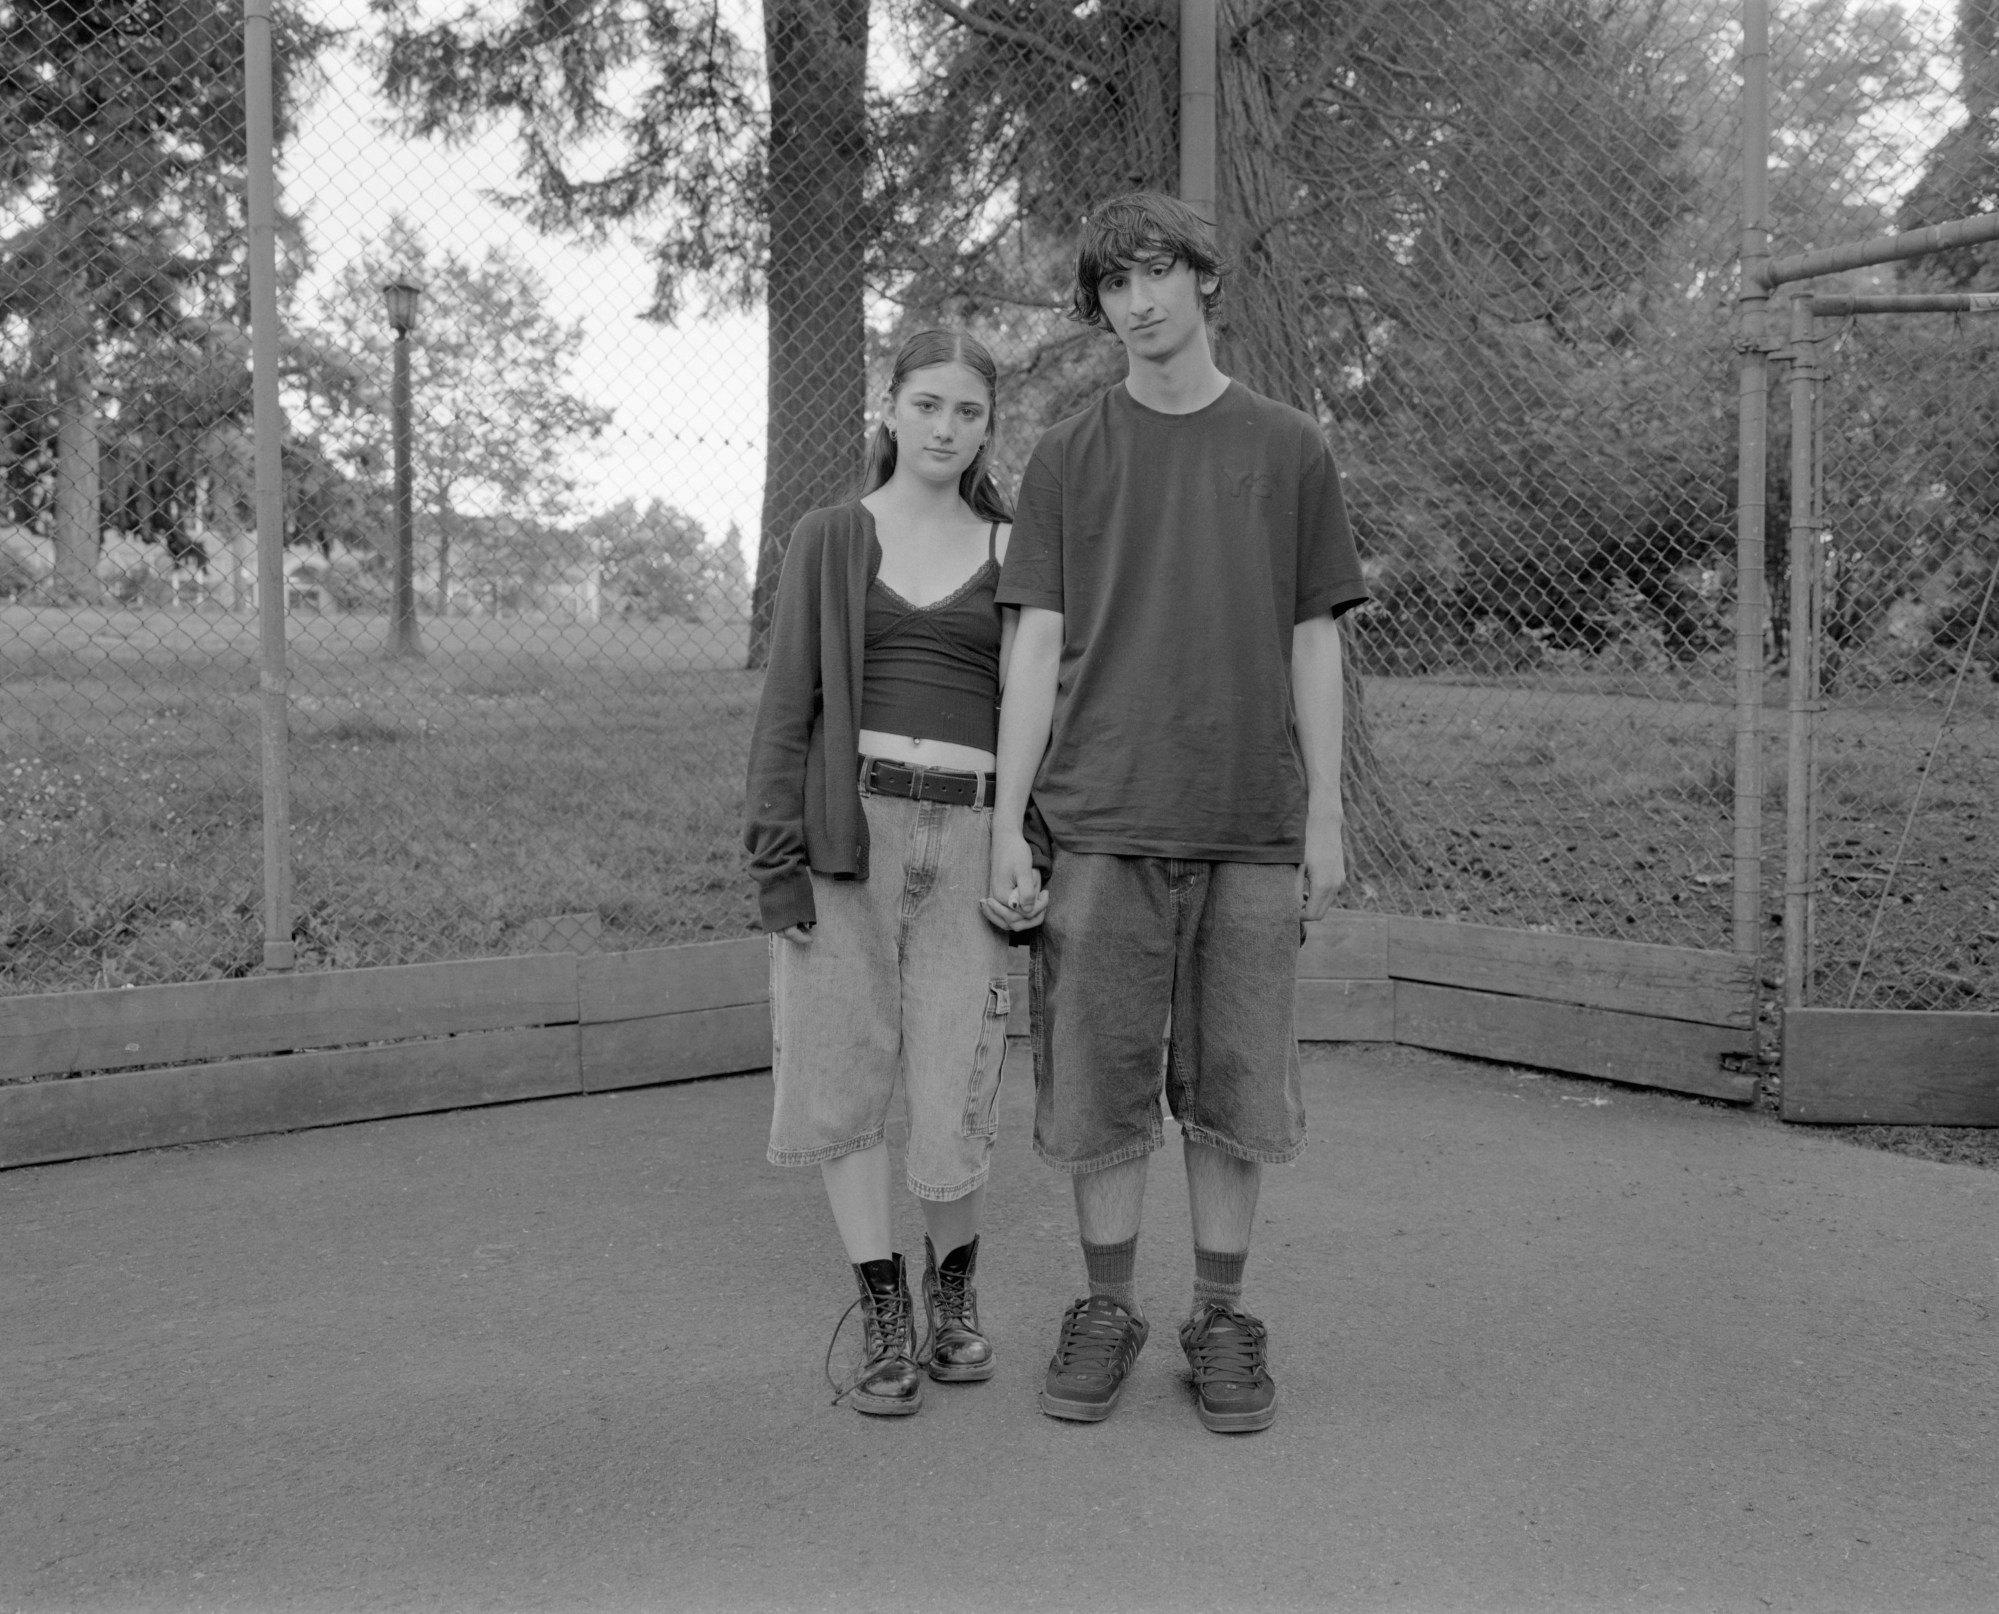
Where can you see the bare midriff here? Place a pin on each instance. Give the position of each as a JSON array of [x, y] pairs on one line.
[[926, 753]]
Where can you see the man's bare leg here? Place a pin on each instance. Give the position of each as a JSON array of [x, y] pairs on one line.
[[1221, 1192], [1225, 1346], [1109, 1204]]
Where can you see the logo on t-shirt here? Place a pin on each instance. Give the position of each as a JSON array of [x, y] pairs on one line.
[[1248, 484]]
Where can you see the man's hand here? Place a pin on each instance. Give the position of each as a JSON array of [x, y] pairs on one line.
[[802, 934], [1015, 900], [1324, 870]]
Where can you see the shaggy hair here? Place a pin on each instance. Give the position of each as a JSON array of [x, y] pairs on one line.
[[1135, 226]]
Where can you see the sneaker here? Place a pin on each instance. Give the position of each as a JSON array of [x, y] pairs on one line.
[[1099, 1342], [1227, 1350]]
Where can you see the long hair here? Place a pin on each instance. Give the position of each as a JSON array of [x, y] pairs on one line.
[[1136, 225], [926, 348]]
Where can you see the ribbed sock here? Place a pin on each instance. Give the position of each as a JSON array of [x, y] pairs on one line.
[[1113, 1271], [1218, 1277]]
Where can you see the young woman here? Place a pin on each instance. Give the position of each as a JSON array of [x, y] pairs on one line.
[[870, 812]]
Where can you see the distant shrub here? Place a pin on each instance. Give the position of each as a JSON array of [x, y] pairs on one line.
[[16, 575], [356, 587]]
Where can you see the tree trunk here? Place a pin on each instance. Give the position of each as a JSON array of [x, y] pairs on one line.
[[1978, 57], [223, 457], [79, 456], [817, 56], [1266, 343]]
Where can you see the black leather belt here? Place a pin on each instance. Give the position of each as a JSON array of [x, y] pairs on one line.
[[955, 786]]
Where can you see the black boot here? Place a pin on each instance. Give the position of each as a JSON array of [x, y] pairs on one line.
[[957, 1351], [887, 1383]]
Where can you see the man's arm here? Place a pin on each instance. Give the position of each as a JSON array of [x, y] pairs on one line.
[[1027, 712], [1319, 699]]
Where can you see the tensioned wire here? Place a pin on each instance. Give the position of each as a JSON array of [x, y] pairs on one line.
[[1922, 781]]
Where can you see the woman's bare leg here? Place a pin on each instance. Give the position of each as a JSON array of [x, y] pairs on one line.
[[857, 1189], [953, 1222]]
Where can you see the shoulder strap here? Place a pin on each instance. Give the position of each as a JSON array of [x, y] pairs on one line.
[[992, 542]]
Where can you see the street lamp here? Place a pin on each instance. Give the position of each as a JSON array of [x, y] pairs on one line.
[[402, 294]]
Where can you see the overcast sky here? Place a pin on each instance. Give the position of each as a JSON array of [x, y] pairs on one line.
[[688, 401]]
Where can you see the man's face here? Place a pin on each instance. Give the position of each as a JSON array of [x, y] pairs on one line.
[[1154, 305]]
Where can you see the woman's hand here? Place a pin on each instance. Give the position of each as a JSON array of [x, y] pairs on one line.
[[802, 934], [1016, 900]]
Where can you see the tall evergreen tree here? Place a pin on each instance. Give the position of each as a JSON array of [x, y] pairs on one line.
[[650, 115], [122, 150]]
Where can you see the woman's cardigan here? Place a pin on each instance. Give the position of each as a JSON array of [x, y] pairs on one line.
[[803, 801]]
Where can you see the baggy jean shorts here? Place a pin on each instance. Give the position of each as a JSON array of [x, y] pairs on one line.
[[903, 979], [1132, 945]]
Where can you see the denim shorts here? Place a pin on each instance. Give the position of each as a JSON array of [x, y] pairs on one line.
[[1144, 957], [903, 978]]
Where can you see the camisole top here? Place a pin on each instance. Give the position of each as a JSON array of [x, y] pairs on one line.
[[932, 671]]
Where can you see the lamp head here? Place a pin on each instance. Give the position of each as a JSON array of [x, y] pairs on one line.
[[402, 294]]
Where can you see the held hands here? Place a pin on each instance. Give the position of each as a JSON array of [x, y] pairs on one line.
[[1324, 870], [1016, 900]]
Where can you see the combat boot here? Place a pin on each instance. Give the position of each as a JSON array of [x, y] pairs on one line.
[[888, 1383], [957, 1352]]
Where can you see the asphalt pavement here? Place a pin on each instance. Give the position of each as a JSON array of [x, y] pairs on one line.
[[1542, 1345]]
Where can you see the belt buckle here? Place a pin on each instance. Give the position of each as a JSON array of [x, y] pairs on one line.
[[882, 777]]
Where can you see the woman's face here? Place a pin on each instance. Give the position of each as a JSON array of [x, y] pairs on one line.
[[939, 417]]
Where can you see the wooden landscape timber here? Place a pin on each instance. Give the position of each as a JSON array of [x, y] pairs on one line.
[[153, 1109], [1624, 1011], [62, 1032], [153, 1066], [352, 1045], [1637, 1049], [1891, 1067], [1636, 978]]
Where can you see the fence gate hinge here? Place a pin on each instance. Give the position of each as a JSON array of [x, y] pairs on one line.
[[1775, 347]]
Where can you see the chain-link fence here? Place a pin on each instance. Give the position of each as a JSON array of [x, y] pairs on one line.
[[1904, 891], [1883, 461], [663, 247], [1533, 391]]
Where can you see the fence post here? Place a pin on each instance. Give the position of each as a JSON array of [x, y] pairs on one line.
[[261, 133], [1197, 107], [403, 636], [1800, 838], [1751, 446]]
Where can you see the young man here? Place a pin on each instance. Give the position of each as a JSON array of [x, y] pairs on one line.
[[1180, 556]]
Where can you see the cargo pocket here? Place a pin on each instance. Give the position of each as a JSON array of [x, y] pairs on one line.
[[982, 1098]]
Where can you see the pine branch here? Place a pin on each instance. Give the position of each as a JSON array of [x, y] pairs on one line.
[[1022, 37]]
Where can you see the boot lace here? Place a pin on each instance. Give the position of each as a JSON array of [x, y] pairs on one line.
[[952, 1303], [953, 1297], [895, 1320]]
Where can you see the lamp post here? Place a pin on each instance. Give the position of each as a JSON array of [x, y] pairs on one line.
[[402, 294]]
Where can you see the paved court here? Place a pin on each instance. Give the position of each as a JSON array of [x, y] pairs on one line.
[[1543, 1345]]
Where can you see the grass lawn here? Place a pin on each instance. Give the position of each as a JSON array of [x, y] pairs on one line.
[[1609, 814], [520, 771], [526, 769]]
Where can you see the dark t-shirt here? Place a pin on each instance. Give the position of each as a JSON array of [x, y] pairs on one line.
[[1182, 550]]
